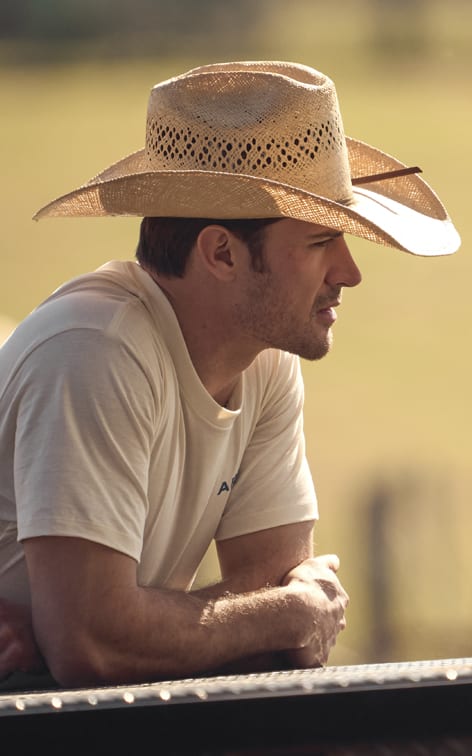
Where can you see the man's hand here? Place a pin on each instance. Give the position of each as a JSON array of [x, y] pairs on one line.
[[324, 601], [18, 649]]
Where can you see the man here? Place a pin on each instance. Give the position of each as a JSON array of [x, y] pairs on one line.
[[147, 409]]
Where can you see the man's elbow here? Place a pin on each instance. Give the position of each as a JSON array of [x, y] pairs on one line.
[[79, 661], [74, 667]]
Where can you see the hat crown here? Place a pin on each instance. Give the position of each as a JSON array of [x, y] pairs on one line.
[[279, 122]]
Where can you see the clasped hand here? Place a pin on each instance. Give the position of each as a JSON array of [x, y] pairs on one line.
[[322, 604]]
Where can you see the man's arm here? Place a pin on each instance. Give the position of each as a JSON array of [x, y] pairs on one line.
[[95, 625], [256, 561], [260, 560], [274, 557]]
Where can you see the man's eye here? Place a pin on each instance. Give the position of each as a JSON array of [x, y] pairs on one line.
[[325, 241]]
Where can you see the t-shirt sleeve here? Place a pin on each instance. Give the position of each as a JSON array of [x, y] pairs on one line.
[[86, 415], [274, 486]]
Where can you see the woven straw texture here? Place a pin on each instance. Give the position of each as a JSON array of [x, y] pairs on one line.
[[256, 140]]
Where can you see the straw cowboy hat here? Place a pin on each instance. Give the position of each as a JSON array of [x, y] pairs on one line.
[[264, 140]]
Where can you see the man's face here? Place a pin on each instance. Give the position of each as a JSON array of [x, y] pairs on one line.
[[289, 305]]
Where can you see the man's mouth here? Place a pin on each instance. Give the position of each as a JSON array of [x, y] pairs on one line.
[[327, 313]]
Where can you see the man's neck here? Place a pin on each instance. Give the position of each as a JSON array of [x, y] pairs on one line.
[[219, 354]]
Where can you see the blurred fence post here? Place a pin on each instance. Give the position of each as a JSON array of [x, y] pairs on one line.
[[378, 517]]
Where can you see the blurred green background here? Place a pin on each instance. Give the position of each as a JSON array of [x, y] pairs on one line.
[[388, 417]]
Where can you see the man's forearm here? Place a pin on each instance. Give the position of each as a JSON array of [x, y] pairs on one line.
[[159, 634], [237, 585], [262, 662]]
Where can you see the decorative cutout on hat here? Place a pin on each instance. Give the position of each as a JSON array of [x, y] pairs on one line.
[[175, 148]]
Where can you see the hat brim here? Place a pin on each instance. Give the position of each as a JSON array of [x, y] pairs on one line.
[[401, 212]]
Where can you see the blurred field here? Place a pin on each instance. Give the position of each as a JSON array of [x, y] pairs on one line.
[[389, 409]]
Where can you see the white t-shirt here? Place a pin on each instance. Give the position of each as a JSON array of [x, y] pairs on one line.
[[107, 433]]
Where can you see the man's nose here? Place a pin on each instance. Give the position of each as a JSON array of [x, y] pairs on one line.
[[343, 270]]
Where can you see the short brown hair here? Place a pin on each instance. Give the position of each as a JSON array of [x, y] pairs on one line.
[[165, 243]]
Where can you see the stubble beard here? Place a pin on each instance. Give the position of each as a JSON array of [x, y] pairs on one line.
[[313, 342], [270, 322]]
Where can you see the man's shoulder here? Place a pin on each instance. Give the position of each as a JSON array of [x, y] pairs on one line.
[[93, 299], [106, 300], [98, 317]]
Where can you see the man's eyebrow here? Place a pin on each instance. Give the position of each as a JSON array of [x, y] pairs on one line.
[[328, 234]]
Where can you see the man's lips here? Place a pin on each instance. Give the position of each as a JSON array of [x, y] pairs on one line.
[[327, 313]]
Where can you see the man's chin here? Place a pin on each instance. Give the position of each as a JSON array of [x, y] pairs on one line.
[[315, 350]]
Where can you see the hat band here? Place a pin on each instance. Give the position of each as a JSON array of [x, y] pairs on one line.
[[387, 175]]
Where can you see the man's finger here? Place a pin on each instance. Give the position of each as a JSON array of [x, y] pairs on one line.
[[329, 560]]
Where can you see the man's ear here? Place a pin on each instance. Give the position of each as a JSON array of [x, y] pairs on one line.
[[217, 249]]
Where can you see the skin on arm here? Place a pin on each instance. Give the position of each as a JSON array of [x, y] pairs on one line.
[[262, 559], [95, 625], [256, 561]]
